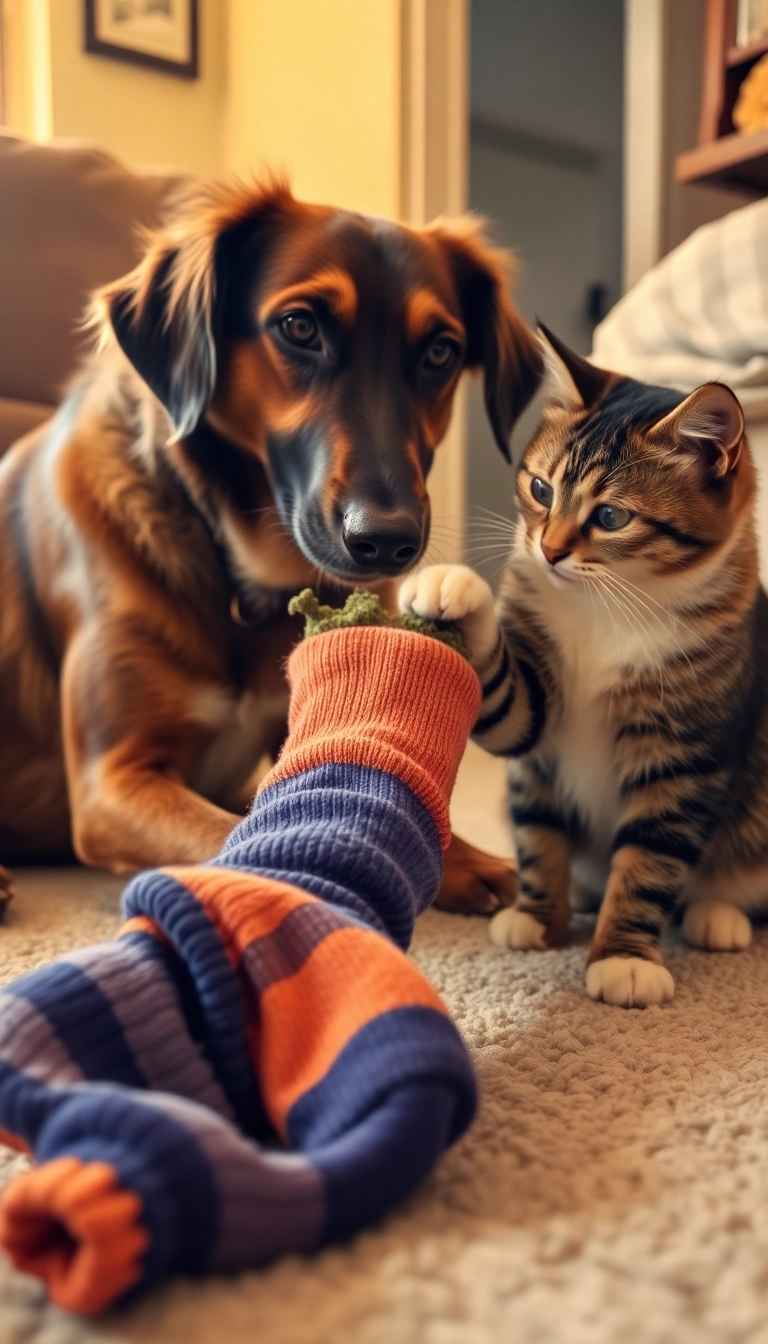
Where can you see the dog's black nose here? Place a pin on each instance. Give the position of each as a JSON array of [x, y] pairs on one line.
[[380, 540]]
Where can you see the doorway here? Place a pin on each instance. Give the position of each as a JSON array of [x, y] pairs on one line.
[[546, 170]]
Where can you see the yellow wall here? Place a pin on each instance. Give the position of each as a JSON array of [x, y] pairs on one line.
[[314, 88], [142, 116]]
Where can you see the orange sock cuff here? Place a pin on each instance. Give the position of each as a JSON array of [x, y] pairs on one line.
[[384, 698]]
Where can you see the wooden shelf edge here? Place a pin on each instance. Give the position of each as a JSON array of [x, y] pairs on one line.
[[742, 55], [733, 160]]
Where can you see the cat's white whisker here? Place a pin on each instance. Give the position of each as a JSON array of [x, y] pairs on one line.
[[640, 628], [669, 626]]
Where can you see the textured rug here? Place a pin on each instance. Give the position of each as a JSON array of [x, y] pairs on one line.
[[614, 1187]]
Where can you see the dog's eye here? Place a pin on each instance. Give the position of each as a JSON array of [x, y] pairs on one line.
[[440, 354], [301, 328]]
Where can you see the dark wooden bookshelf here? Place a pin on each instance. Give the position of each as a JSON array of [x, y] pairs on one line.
[[724, 157]]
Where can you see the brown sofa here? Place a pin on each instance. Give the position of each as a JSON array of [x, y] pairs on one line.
[[68, 222]]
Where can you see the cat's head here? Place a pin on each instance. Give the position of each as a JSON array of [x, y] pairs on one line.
[[625, 476]]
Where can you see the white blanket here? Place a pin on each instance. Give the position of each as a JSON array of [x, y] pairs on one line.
[[701, 314]]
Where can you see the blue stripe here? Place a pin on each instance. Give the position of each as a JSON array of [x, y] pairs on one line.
[[222, 1008], [84, 1020], [350, 834], [25, 1104], [400, 1047], [375, 1166]]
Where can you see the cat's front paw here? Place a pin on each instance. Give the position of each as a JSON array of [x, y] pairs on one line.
[[717, 927], [454, 593], [518, 929], [629, 982]]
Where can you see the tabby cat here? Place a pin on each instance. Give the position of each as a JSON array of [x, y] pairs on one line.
[[627, 677]]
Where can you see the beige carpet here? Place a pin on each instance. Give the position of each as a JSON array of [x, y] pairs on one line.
[[614, 1189]]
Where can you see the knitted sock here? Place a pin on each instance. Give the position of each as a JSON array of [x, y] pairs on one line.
[[312, 1019]]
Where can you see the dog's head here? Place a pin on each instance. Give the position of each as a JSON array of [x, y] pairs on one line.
[[319, 350]]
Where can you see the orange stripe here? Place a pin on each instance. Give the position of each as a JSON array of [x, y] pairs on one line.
[[142, 924], [349, 979], [302, 1022], [243, 906]]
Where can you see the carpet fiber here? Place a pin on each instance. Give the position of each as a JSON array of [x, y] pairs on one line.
[[614, 1187]]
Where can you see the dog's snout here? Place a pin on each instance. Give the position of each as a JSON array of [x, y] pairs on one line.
[[381, 540]]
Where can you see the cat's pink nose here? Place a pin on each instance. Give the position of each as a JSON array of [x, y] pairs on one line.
[[553, 553]]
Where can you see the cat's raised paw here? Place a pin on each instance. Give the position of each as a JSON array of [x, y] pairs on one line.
[[454, 593], [516, 928], [629, 982], [717, 927]]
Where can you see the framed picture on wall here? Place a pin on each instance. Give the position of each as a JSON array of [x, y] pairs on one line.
[[161, 34]]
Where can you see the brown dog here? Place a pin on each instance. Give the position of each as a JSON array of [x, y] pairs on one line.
[[272, 383]]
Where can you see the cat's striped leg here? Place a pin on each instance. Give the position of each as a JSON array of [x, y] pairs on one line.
[[540, 915], [672, 784], [625, 965]]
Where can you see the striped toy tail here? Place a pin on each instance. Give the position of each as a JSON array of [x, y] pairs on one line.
[[315, 1026]]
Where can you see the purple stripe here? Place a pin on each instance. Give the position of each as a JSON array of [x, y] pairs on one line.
[[29, 1044], [283, 952], [269, 1202], [217, 989], [145, 1004], [83, 1019]]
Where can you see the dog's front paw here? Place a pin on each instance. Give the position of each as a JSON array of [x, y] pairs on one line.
[[475, 883], [629, 982], [454, 593], [518, 929], [717, 927]]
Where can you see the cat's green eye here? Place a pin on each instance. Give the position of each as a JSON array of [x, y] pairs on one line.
[[542, 493], [611, 518]]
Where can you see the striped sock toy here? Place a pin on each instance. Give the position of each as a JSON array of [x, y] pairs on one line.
[[253, 1065]]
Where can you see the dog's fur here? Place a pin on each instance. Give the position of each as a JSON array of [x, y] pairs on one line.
[[202, 465]]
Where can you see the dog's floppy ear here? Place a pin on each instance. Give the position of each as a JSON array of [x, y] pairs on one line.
[[166, 314], [498, 340]]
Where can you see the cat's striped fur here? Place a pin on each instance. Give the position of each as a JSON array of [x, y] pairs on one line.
[[629, 682]]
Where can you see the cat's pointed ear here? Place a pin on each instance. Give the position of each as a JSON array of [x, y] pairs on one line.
[[708, 428], [569, 380]]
